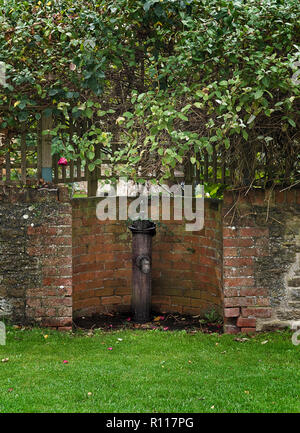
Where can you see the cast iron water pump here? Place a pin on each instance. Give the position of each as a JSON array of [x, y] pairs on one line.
[[142, 232]]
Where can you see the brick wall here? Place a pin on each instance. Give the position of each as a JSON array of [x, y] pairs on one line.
[[53, 251], [36, 256], [186, 265], [261, 245]]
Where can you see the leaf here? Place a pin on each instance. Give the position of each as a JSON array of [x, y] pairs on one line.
[[241, 340], [245, 134], [264, 342], [292, 123], [182, 117], [251, 118], [147, 6], [258, 94], [198, 105]]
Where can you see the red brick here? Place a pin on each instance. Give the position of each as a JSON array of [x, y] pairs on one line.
[[229, 232], [238, 242], [253, 292], [238, 261], [56, 302], [230, 293], [238, 272], [33, 302], [111, 300], [61, 240], [126, 300], [239, 302], [239, 282], [230, 252], [249, 252], [85, 303], [254, 232], [246, 322], [231, 312], [56, 281]]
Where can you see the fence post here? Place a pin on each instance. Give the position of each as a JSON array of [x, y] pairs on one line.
[[92, 183], [46, 149]]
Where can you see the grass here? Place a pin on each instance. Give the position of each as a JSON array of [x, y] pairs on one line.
[[148, 371]]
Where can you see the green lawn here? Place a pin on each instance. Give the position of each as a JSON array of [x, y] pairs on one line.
[[148, 371]]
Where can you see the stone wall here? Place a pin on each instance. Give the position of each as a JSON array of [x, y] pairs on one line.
[[36, 256], [186, 270], [261, 247]]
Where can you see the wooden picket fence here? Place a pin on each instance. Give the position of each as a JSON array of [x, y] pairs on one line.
[[26, 153]]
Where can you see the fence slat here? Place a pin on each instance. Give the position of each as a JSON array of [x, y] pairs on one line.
[[78, 170], [23, 158], [71, 132], [55, 168], [205, 166], [7, 166], [215, 167], [47, 124], [39, 149]]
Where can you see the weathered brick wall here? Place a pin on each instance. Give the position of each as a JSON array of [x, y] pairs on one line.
[[186, 265], [36, 256], [40, 231], [261, 249]]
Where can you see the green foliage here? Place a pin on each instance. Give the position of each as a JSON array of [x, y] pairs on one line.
[[167, 78], [213, 316]]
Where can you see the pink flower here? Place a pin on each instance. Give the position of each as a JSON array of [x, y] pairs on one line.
[[166, 328], [109, 348], [162, 317], [128, 320], [62, 161], [65, 362]]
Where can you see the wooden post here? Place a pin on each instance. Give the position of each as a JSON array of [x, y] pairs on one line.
[[142, 232], [92, 183], [46, 149]]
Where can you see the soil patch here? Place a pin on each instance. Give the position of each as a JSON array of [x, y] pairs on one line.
[[164, 322]]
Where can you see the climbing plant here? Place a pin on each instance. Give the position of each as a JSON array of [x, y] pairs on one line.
[[156, 83]]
